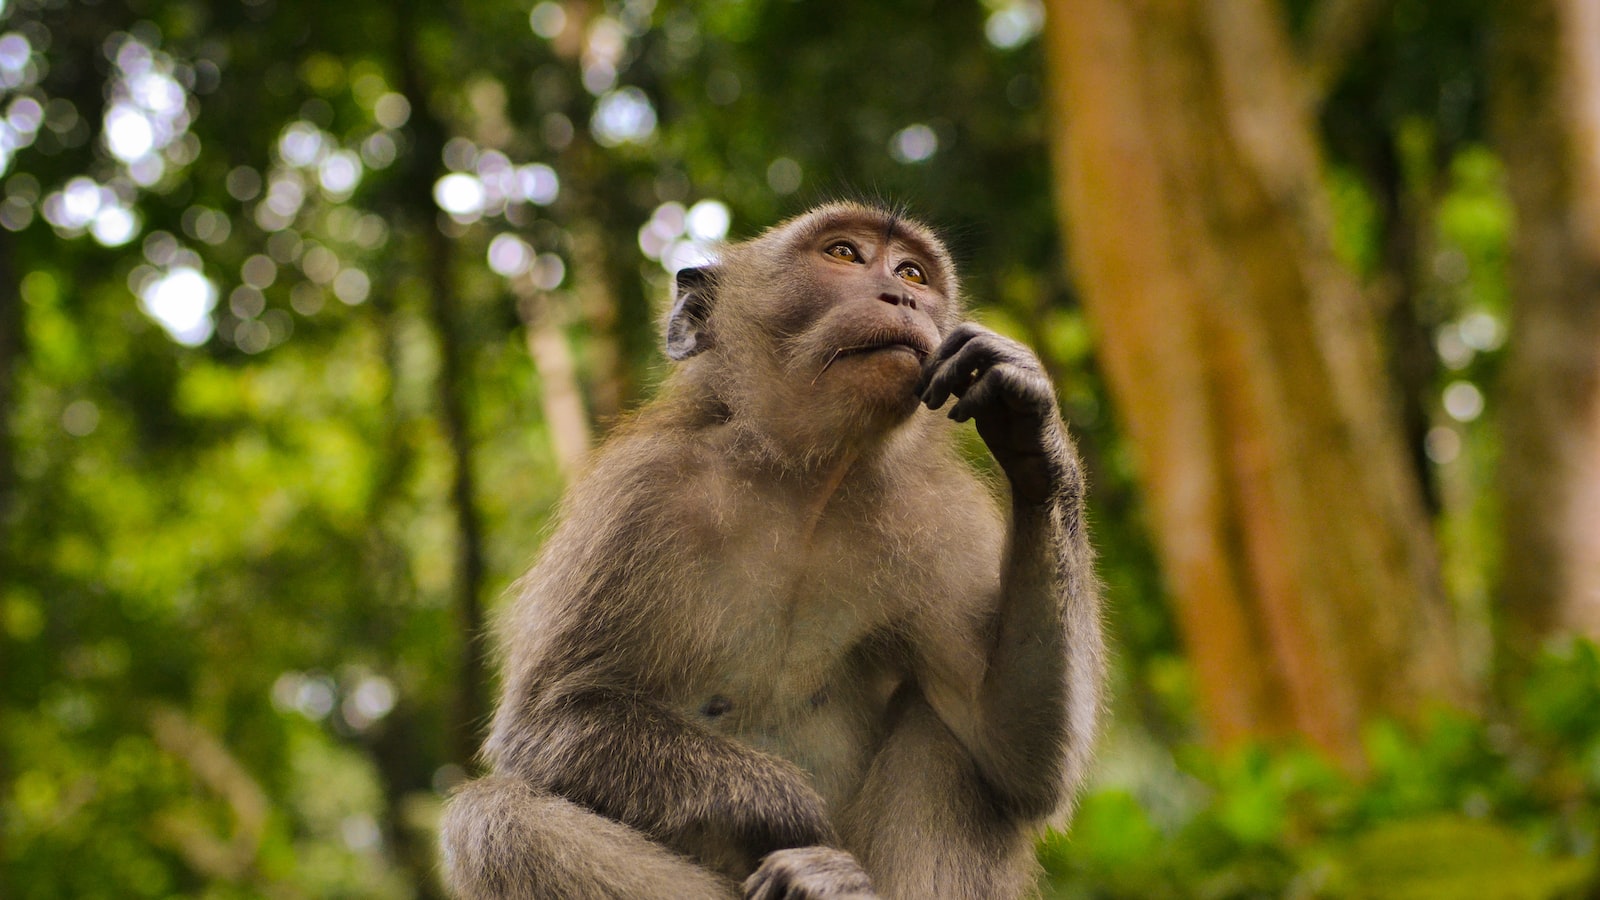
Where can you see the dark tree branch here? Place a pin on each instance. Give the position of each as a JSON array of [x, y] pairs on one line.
[[11, 353], [471, 704]]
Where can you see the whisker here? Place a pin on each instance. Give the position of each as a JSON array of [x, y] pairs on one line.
[[921, 354], [825, 365]]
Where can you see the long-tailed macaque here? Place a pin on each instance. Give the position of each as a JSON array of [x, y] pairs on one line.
[[785, 643]]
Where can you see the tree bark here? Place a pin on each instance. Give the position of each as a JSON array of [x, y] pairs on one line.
[[1245, 366], [1547, 118]]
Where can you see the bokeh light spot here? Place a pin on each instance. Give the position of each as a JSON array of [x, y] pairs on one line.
[[181, 302], [509, 255], [392, 110], [459, 194], [548, 20], [114, 226], [623, 116], [913, 144], [784, 175], [1014, 24], [1463, 401], [708, 220], [352, 286]]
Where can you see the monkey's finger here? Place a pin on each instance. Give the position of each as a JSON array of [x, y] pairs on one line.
[[959, 336], [958, 373], [758, 886], [768, 882], [983, 395], [968, 333], [1019, 392], [1003, 388], [954, 341]]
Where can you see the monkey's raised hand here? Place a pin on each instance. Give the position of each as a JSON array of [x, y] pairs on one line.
[[1003, 387], [809, 873]]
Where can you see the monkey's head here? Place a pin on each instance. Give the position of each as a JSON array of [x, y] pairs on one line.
[[819, 327]]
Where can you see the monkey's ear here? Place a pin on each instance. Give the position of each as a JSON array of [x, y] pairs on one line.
[[692, 294]]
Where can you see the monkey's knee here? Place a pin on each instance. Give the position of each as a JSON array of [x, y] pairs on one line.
[[502, 839]]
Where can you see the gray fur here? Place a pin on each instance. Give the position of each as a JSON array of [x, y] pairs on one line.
[[784, 636]]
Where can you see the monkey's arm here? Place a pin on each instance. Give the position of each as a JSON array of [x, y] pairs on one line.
[[1032, 724], [638, 762]]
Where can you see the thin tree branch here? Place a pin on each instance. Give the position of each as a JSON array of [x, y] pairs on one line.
[[570, 432], [232, 858]]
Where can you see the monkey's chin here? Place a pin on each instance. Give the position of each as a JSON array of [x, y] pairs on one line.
[[881, 380]]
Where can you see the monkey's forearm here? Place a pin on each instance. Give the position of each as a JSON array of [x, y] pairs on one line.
[[639, 763], [1041, 690], [1041, 685]]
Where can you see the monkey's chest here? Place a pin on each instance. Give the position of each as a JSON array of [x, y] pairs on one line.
[[798, 647], [789, 616], [824, 713]]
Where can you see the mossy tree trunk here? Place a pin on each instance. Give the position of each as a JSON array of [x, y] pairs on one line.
[[1547, 118], [1245, 367]]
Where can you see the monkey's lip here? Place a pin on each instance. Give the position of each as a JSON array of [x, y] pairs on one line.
[[894, 343]]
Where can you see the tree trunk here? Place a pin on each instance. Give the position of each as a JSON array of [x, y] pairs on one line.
[[470, 712], [1245, 367], [1547, 114], [11, 355]]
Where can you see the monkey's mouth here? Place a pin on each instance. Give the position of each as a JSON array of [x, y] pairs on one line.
[[888, 344], [877, 345]]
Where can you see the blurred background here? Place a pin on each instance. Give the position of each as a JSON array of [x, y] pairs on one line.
[[308, 310]]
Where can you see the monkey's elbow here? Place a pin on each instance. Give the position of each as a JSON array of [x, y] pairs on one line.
[[1031, 801], [485, 837]]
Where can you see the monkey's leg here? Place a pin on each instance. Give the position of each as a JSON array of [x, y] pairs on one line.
[[506, 841], [924, 824]]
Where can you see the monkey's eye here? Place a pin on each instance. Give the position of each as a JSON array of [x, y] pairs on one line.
[[911, 272], [843, 250]]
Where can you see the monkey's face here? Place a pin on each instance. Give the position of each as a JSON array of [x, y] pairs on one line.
[[821, 325], [872, 297]]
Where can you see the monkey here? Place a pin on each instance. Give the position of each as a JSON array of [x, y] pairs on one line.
[[785, 641]]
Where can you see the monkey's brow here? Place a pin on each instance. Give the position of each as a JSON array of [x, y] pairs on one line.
[[895, 230], [921, 247]]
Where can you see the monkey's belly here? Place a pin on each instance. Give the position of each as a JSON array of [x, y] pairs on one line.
[[828, 729]]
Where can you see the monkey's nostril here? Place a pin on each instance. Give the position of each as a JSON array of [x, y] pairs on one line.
[[895, 299]]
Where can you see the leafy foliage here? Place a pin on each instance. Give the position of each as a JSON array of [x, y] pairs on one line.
[[1456, 807]]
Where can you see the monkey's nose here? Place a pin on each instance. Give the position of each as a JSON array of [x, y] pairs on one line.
[[896, 299]]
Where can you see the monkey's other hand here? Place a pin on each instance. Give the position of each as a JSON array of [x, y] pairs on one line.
[[809, 873], [1002, 386]]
